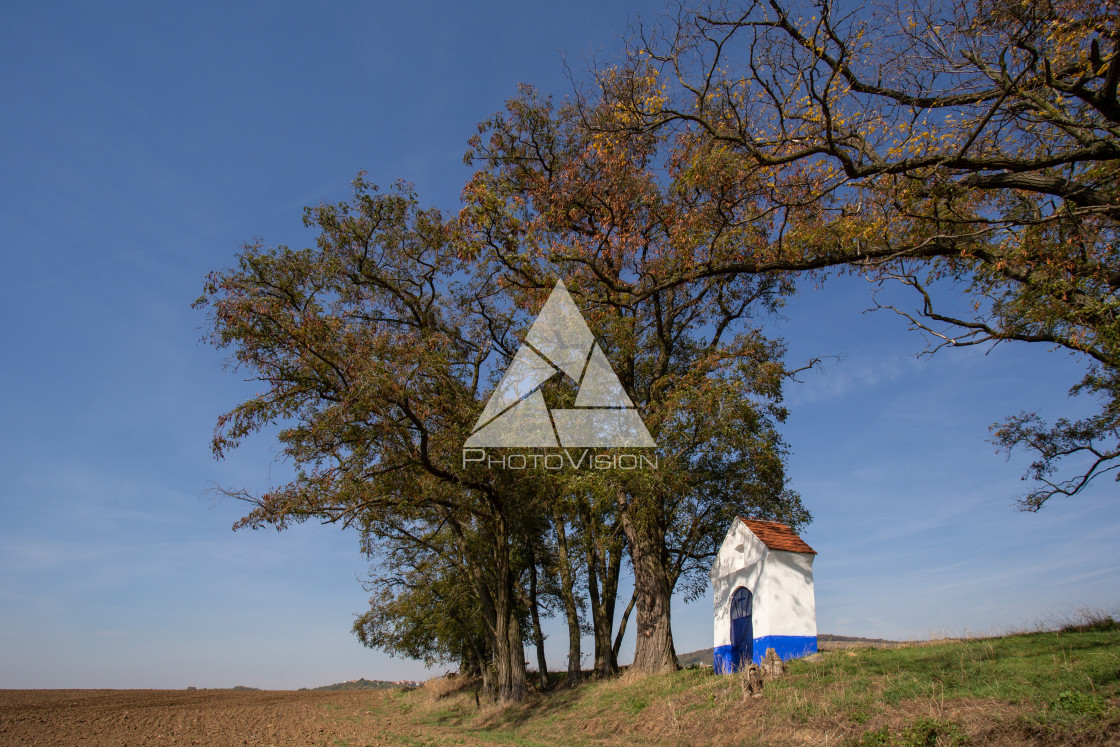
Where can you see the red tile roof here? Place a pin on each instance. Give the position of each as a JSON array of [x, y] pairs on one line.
[[777, 536]]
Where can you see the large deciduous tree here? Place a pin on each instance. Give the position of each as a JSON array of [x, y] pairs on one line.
[[370, 351], [615, 215], [971, 141]]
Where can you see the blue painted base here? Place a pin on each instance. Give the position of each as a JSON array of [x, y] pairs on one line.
[[723, 659], [786, 646]]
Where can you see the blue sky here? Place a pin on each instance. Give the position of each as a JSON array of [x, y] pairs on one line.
[[144, 143]]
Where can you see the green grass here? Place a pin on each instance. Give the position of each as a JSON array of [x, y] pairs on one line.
[[1057, 684], [1044, 688], [1031, 668]]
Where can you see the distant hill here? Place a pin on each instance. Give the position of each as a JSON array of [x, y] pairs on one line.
[[364, 684], [703, 656]]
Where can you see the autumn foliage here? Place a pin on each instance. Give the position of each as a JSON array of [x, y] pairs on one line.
[[681, 194]]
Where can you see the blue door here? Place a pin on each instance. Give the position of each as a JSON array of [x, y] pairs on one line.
[[742, 632]]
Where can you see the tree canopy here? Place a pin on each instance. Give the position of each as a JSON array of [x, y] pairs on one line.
[[377, 350], [552, 197], [963, 141]]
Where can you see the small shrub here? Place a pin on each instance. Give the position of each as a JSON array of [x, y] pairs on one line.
[[1077, 703], [929, 732], [880, 737], [637, 705]]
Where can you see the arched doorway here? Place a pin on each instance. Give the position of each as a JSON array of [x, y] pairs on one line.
[[742, 631]]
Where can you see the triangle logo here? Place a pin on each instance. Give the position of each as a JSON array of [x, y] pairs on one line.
[[559, 342]]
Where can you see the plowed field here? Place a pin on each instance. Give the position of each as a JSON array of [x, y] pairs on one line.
[[202, 717]]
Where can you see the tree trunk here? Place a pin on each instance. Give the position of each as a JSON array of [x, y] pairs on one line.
[[509, 653], [567, 593], [622, 623], [474, 658], [488, 653], [653, 645], [602, 597], [538, 635], [509, 649], [605, 663], [489, 685], [519, 684]]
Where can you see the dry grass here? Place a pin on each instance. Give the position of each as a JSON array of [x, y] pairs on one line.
[[439, 688], [1061, 687]]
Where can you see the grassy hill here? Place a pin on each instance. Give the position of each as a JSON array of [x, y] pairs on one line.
[[1058, 687]]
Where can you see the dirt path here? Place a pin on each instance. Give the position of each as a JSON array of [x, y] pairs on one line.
[[121, 718]]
